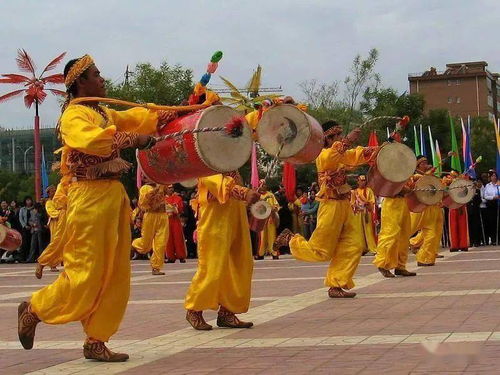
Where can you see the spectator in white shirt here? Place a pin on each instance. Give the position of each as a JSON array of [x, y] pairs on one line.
[[491, 194]]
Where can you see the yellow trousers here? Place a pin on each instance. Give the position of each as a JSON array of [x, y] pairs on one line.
[[336, 239], [95, 285], [417, 240], [430, 222], [364, 221], [267, 238], [154, 234], [53, 253], [225, 263], [395, 232]]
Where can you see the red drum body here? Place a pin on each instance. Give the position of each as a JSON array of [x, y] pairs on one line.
[[10, 239], [290, 134], [197, 155], [259, 215], [461, 191], [394, 165], [428, 191]]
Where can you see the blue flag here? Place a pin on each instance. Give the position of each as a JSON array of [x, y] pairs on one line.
[[45, 176], [422, 142], [467, 151]]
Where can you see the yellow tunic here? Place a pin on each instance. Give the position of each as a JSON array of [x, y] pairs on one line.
[[56, 209], [94, 287], [225, 263], [363, 201], [154, 233], [336, 238], [268, 234]]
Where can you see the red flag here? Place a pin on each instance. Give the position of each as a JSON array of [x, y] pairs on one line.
[[373, 141], [289, 181]]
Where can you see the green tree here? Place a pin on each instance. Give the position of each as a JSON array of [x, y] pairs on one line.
[[168, 85], [362, 78], [16, 186]]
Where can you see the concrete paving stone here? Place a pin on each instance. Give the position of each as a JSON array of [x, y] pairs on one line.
[[443, 321]]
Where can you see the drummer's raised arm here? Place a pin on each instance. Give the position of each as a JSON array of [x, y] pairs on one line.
[[353, 156], [140, 120]]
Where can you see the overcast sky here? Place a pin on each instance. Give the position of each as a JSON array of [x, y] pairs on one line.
[[292, 40]]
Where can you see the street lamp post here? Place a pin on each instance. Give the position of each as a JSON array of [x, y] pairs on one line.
[[25, 154]]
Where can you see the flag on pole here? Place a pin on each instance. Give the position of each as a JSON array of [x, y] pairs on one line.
[[439, 168], [455, 159], [45, 176], [433, 149], [417, 145], [289, 181], [466, 151], [373, 140], [422, 142]]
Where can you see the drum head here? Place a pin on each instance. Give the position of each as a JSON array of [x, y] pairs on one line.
[[284, 124], [461, 191], [260, 210], [429, 190], [219, 151], [396, 162], [189, 184]]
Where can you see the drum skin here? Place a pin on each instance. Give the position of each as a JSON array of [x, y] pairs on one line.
[[301, 135], [197, 155], [394, 165], [259, 215], [10, 239], [432, 194], [461, 192]]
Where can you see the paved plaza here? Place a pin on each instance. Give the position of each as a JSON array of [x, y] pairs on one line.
[[445, 320]]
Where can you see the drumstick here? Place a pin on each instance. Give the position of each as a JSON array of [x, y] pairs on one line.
[[154, 107], [397, 118], [478, 160], [234, 129]]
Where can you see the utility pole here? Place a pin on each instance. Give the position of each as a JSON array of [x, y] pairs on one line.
[[128, 73]]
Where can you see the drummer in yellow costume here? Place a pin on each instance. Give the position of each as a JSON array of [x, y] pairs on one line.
[[395, 232], [154, 233], [336, 237], [224, 276], [268, 234], [429, 222], [363, 201], [56, 210], [94, 287]]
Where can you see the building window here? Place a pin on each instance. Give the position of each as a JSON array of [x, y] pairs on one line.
[[458, 82], [450, 99], [459, 100], [449, 82]]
